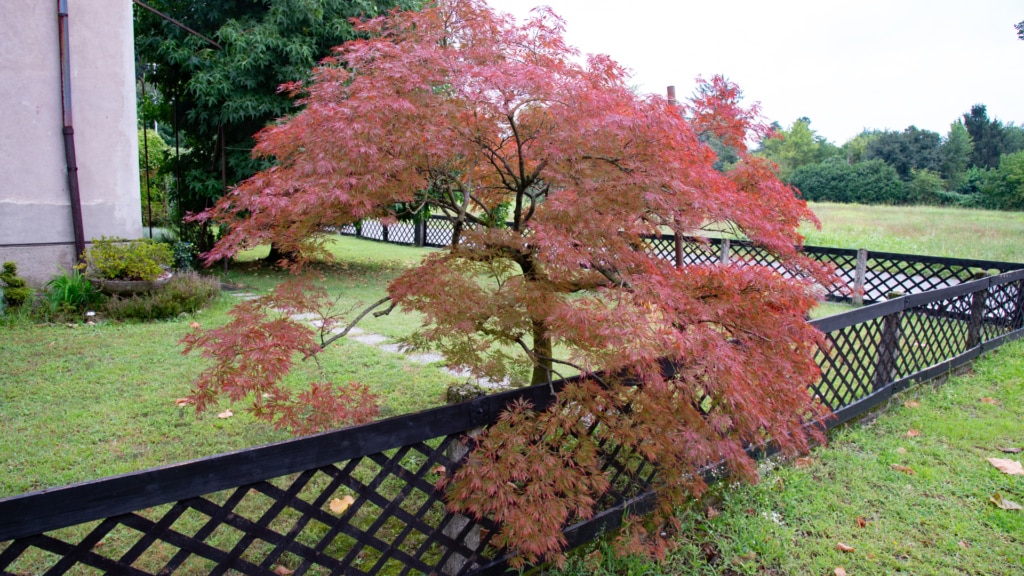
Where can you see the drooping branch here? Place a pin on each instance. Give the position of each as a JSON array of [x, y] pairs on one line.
[[359, 318]]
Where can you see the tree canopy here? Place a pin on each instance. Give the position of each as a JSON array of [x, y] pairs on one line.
[[222, 89], [464, 112]]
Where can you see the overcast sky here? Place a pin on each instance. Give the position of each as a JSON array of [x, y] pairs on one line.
[[846, 65]]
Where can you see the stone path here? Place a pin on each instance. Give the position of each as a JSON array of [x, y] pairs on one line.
[[383, 343]]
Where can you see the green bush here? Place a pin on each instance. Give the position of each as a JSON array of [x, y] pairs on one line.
[[15, 290], [70, 294], [119, 259], [184, 293]]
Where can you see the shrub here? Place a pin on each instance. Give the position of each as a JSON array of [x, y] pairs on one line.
[[184, 293], [185, 255], [116, 258], [70, 293], [15, 290]]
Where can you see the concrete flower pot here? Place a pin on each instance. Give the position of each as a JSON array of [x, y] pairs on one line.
[[129, 288]]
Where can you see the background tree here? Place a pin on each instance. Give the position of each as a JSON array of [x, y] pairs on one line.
[[869, 182], [987, 135], [153, 177], [955, 155], [223, 94], [464, 112], [855, 148], [796, 147], [912, 149]]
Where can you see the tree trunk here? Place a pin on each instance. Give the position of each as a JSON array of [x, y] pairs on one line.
[[276, 255], [542, 349]]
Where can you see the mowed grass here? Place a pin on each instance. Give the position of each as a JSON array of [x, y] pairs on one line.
[[924, 230], [80, 402], [909, 493]]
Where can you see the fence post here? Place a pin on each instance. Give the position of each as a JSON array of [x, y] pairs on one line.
[[420, 233], [679, 249], [455, 563], [888, 351], [1018, 315], [977, 317], [723, 253], [384, 232], [860, 277]]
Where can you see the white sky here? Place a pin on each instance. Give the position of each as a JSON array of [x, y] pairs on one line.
[[846, 65]]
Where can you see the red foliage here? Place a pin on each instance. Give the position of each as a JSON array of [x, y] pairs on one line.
[[458, 110]]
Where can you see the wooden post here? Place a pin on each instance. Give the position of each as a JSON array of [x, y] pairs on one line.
[[888, 351], [723, 254], [384, 232], [977, 318], [679, 249], [420, 233], [860, 277]]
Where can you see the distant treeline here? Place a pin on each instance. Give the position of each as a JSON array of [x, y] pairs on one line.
[[978, 163]]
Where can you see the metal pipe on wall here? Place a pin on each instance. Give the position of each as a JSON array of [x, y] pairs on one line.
[[69, 131]]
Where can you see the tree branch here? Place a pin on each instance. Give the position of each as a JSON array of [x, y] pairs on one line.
[[362, 315]]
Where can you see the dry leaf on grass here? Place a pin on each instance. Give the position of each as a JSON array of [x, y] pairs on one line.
[[711, 513], [339, 505], [1012, 450], [840, 571], [901, 450], [195, 326], [992, 401], [438, 470], [844, 547], [182, 402], [803, 462], [1007, 466], [912, 404], [1003, 503], [861, 522], [282, 571], [904, 469], [748, 557], [913, 433], [226, 414]]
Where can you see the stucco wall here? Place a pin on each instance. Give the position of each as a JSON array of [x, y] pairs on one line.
[[35, 210]]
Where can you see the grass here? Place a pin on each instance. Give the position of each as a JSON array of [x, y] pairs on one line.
[[936, 519], [923, 230]]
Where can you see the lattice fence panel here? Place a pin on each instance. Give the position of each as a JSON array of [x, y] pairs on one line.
[[662, 247], [1004, 309], [849, 363], [372, 229], [886, 275], [394, 521], [845, 266], [439, 232], [933, 332], [402, 233]]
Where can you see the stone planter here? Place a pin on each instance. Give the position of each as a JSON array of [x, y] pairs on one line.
[[129, 288]]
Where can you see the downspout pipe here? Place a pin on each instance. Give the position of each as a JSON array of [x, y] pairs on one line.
[[69, 131]]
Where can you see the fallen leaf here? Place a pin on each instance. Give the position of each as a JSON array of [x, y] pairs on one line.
[[52, 344], [861, 522], [901, 450], [803, 462], [182, 402], [904, 469], [913, 433], [963, 544], [1003, 503], [1012, 450], [339, 505], [282, 571], [226, 414], [844, 548], [992, 401], [196, 326], [711, 513], [438, 470], [750, 511], [748, 557], [1007, 466], [840, 571], [912, 404]]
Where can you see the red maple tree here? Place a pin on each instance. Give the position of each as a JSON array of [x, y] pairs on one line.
[[462, 111]]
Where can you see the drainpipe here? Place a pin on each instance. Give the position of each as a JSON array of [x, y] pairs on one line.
[[69, 130]]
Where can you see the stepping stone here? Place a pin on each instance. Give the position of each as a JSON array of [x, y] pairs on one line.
[[425, 357], [371, 339], [394, 348], [244, 295], [306, 316], [351, 333]]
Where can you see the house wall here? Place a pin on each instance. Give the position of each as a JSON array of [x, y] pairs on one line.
[[35, 210]]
